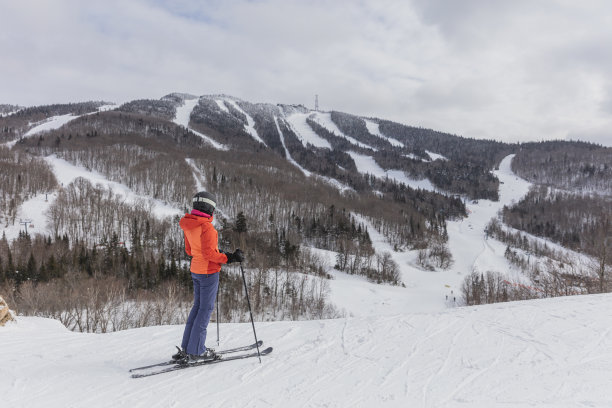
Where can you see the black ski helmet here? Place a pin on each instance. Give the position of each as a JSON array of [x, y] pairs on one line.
[[205, 202]]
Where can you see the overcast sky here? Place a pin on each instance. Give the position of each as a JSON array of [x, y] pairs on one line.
[[506, 70]]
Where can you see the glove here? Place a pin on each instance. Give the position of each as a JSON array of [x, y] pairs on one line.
[[236, 256]]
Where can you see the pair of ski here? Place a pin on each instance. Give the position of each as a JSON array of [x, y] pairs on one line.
[[223, 356]]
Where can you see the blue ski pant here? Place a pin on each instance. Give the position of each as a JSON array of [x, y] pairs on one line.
[[204, 293]]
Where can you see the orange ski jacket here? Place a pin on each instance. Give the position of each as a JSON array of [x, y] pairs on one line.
[[201, 243]]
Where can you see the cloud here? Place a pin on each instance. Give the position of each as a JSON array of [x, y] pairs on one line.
[[512, 71]]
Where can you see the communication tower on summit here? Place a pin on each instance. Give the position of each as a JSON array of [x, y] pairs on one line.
[[317, 103]]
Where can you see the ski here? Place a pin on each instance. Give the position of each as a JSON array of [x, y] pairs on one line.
[[177, 367], [222, 352]]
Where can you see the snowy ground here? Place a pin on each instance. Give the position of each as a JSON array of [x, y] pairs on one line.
[[545, 353]]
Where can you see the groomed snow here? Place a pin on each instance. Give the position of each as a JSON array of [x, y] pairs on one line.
[[467, 242], [304, 132], [54, 122], [367, 164], [374, 130], [324, 119], [545, 353], [182, 118]]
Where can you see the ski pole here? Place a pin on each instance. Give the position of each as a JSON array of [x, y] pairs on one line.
[[217, 316], [250, 312]]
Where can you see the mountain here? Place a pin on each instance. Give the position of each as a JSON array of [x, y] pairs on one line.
[[324, 195]]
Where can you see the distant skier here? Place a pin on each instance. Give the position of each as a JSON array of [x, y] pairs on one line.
[[201, 242]]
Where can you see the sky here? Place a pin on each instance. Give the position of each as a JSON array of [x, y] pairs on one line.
[[516, 70]]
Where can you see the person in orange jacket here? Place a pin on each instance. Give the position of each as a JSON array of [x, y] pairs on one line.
[[201, 243]]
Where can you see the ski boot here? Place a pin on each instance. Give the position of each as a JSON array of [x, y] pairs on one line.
[[181, 354], [208, 355]]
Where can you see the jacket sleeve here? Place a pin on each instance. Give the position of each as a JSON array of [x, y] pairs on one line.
[[209, 247], [187, 246]]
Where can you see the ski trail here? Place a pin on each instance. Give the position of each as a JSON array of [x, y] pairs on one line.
[[467, 241], [282, 139], [333, 182], [325, 120], [52, 123], [374, 129], [183, 116], [304, 132], [197, 174], [250, 126], [221, 105]]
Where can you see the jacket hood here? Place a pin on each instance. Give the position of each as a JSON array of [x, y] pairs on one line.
[[190, 221]]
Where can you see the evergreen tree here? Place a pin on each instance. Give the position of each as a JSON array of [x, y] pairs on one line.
[[241, 223]]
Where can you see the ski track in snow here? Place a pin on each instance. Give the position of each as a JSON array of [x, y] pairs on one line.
[[182, 118], [374, 130], [545, 353]]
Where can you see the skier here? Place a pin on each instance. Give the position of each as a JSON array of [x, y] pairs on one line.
[[201, 243]]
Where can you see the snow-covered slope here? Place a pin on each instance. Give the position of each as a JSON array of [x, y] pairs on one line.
[[250, 125], [545, 353], [431, 291], [183, 114], [54, 122], [304, 132], [467, 241], [333, 182], [435, 156], [287, 154], [367, 164], [374, 129], [324, 119]]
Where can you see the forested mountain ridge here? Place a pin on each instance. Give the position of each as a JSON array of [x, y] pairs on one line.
[[287, 179]]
